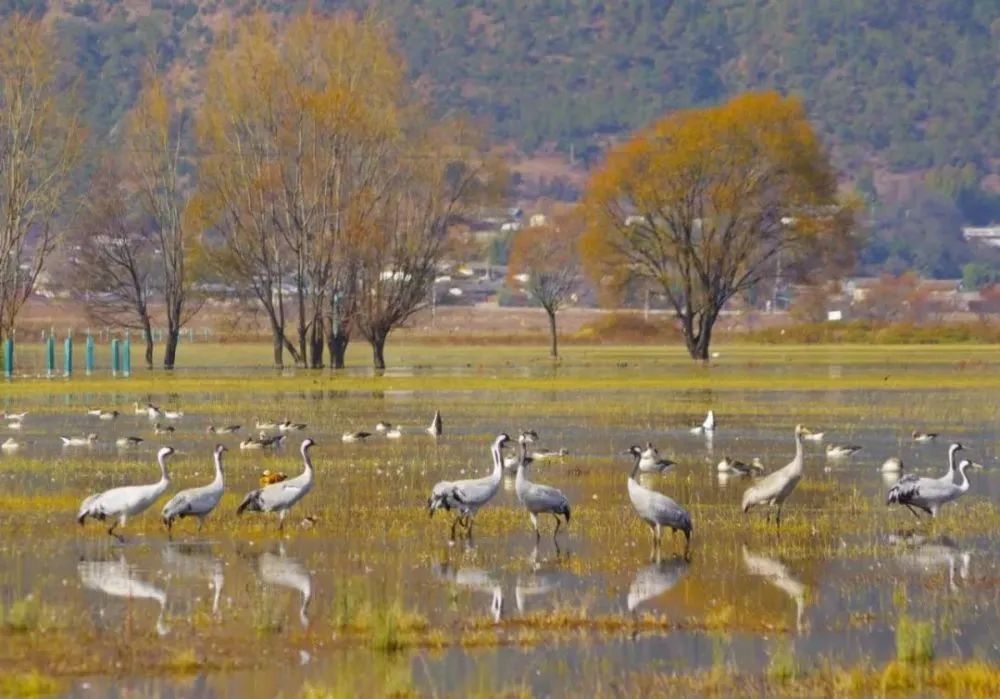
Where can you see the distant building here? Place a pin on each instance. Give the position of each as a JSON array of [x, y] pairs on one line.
[[987, 235]]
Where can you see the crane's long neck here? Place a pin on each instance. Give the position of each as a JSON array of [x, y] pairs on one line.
[[963, 485], [951, 464], [522, 466], [497, 463], [635, 467], [218, 468], [307, 463], [798, 461], [164, 473]]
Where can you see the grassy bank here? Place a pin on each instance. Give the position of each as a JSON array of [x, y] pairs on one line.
[[206, 367]]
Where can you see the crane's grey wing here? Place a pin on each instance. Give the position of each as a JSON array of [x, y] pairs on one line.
[[669, 512], [178, 504], [546, 495], [906, 489]]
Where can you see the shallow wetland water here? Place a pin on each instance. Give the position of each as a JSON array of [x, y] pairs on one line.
[[366, 596]]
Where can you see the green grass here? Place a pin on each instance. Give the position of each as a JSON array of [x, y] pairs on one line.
[[236, 369]]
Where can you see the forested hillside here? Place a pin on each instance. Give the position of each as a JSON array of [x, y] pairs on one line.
[[906, 93]]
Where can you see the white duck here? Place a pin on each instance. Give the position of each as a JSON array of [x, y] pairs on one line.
[[841, 451], [650, 461], [79, 441], [706, 427]]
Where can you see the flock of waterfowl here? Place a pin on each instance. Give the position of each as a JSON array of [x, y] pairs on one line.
[[465, 498]]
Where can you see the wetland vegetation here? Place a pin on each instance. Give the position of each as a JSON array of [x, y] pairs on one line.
[[363, 594]]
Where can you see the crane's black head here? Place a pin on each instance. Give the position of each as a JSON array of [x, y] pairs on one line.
[[502, 439], [219, 448], [307, 443], [633, 451]]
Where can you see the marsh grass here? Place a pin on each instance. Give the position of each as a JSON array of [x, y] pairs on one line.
[[28, 684], [973, 679], [914, 641], [372, 546], [782, 667]]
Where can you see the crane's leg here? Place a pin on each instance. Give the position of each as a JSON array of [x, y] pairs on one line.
[[914, 512], [201, 523], [454, 523], [534, 523], [659, 537], [558, 524], [777, 518], [687, 546], [111, 529], [281, 520]]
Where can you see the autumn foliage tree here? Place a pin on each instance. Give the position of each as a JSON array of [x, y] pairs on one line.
[[40, 145], [706, 203], [296, 158], [156, 160], [545, 260]]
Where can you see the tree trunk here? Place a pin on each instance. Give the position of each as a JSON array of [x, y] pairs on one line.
[[698, 339], [303, 328], [316, 344], [278, 345], [552, 330], [337, 341], [378, 349], [170, 350], [148, 333]]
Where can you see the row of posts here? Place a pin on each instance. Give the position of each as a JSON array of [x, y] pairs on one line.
[[121, 356]]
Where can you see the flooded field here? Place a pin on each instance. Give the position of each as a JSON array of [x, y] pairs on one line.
[[363, 594]]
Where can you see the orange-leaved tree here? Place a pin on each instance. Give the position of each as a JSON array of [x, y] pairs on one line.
[[157, 158], [544, 259], [300, 126], [41, 139], [705, 203]]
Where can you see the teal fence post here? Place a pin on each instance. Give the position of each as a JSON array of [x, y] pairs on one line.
[[8, 357], [90, 353], [127, 355], [68, 356], [50, 355], [115, 357]]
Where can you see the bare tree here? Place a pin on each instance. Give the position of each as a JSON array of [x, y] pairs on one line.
[[545, 260], [400, 246], [115, 258], [40, 138], [155, 149]]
